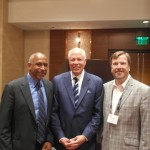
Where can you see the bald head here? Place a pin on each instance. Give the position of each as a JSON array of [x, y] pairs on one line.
[[34, 56]]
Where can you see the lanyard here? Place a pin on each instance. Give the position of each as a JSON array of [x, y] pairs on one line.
[[120, 99], [118, 106]]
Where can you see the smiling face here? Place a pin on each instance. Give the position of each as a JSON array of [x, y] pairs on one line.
[[77, 61], [38, 65], [120, 68]]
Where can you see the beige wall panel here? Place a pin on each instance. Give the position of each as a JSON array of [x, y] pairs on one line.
[[1, 33], [11, 48], [12, 54]]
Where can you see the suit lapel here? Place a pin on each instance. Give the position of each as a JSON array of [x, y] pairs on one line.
[[48, 99], [127, 91], [27, 94], [68, 86], [84, 88], [109, 94]]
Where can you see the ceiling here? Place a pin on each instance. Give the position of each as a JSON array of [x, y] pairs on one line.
[[82, 25]]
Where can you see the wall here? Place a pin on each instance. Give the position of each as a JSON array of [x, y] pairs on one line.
[[11, 48], [77, 10], [1, 34], [57, 50]]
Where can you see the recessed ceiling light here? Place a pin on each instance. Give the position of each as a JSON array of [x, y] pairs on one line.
[[145, 21]]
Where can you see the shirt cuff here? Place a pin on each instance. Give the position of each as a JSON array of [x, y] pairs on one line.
[[61, 139], [85, 138]]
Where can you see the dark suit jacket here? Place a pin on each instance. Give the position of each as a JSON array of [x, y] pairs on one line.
[[68, 121], [18, 128]]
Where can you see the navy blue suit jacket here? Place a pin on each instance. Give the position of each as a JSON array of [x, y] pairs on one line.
[[69, 121]]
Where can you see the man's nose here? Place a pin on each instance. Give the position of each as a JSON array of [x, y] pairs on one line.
[[119, 65], [43, 66], [76, 62]]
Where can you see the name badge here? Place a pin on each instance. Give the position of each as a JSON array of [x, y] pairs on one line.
[[113, 119]]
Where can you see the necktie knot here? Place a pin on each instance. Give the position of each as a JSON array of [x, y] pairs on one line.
[[75, 79], [38, 85]]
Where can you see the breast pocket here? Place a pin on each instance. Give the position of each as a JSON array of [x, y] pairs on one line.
[[129, 114], [131, 142], [88, 99]]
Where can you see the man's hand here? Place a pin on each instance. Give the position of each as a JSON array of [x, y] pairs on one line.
[[74, 143], [77, 141], [47, 146], [66, 143]]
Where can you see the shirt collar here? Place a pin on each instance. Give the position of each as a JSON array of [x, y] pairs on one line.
[[123, 85], [32, 81], [79, 76]]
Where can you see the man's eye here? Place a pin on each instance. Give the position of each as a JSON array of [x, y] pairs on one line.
[[41, 64], [38, 64], [115, 64]]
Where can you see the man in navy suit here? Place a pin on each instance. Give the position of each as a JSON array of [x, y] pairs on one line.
[[19, 109], [75, 124]]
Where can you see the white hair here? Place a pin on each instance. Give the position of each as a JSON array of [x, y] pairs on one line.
[[77, 50]]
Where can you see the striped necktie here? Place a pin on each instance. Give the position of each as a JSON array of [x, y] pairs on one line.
[[76, 91], [41, 116]]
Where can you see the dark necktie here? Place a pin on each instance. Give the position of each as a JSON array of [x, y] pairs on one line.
[[76, 91], [42, 116]]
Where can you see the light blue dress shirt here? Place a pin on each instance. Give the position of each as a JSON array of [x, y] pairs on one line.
[[34, 93]]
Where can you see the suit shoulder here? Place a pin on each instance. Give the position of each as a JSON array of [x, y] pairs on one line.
[[59, 76], [140, 84], [17, 81], [94, 77], [48, 81], [108, 83]]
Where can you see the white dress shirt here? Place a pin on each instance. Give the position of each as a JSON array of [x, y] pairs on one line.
[[80, 79], [117, 94]]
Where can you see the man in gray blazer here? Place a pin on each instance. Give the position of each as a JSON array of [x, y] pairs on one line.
[[126, 108], [77, 114], [20, 109]]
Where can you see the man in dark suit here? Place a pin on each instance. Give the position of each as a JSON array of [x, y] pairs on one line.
[[20, 109], [76, 121]]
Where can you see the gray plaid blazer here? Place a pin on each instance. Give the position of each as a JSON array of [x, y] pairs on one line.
[[132, 131]]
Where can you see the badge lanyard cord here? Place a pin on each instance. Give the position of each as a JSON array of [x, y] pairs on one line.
[[119, 104]]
